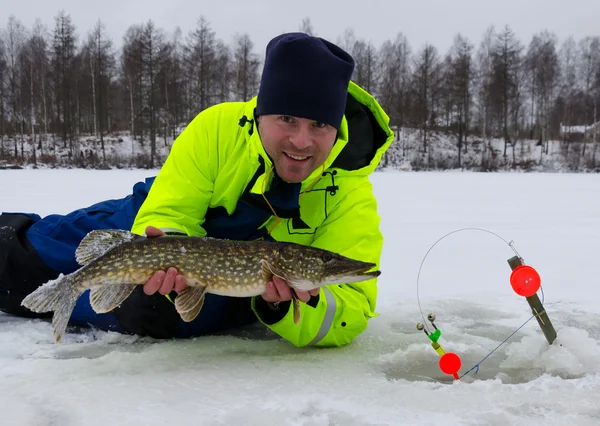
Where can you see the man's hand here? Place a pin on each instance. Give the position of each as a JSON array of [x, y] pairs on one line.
[[278, 291], [161, 281]]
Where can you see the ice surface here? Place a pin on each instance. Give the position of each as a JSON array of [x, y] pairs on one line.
[[389, 375]]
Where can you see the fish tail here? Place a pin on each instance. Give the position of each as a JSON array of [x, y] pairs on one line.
[[60, 296]]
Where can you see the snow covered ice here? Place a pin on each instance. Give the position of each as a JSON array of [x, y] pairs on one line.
[[389, 375]]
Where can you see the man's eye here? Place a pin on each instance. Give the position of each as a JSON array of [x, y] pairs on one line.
[[286, 118], [319, 124]]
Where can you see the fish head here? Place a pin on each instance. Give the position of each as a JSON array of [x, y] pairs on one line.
[[306, 268]]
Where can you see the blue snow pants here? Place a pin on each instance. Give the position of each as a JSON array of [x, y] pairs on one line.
[[34, 250]]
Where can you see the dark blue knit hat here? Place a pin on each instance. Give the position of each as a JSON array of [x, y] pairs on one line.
[[305, 76]]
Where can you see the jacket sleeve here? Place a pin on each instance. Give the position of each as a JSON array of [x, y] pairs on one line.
[[180, 195], [341, 312]]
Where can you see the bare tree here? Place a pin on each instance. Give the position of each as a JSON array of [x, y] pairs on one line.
[[306, 26], [542, 65], [395, 81], [99, 62], [152, 48], [245, 68], [568, 59], [365, 56], [483, 82], [14, 40], [347, 40], [446, 95], [506, 63], [170, 81], [201, 64], [426, 85], [596, 93], [224, 64], [176, 84], [33, 61], [132, 78], [460, 85], [40, 46], [395, 71], [63, 54], [3, 72], [589, 63]]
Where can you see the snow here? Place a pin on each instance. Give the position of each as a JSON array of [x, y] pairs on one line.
[[573, 129], [389, 375], [483, 154], [122, 151]]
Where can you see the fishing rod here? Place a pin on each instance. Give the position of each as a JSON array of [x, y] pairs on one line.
[[524, 280]]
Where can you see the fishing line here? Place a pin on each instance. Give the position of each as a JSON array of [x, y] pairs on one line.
[[511, 245], [476, 366]]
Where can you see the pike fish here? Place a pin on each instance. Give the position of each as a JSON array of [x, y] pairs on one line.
[[114, 262]]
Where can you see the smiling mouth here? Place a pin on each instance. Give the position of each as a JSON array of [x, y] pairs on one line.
[[297, 157]]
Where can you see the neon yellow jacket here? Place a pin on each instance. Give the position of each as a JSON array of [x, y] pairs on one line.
[[214, 159]]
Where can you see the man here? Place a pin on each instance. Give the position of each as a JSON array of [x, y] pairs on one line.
[[290, 165]]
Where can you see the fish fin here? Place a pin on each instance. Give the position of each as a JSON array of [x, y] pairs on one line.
[[98, 242], [296, 308], [105, 298], [60, 296], [268, 274], [266, 270], [269, 271], [189, 302]]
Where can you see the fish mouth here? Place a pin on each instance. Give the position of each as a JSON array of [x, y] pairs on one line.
[[351, 274]]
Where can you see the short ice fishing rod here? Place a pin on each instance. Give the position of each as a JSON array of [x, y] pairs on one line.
[[524, 280]]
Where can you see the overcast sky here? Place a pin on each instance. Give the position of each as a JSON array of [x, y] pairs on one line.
[[422, 21]]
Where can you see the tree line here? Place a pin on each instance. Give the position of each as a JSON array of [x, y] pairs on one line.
[[56, 86]]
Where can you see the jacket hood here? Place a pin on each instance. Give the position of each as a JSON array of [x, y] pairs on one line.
[[368, 134]]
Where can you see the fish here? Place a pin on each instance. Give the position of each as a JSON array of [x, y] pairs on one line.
[[113, 262]]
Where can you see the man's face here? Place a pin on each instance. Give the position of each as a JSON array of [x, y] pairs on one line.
[[296, 145]]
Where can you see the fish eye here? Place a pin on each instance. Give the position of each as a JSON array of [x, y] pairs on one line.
[[327, 257]]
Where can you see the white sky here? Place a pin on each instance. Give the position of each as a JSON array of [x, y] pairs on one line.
[[430, 21]]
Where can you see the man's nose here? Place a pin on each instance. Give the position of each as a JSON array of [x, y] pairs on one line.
[[300, 138]]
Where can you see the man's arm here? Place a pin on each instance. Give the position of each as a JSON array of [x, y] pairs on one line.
[[340, 312]]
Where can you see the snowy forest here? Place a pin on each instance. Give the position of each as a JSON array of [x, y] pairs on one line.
[[76, 100]]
